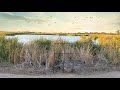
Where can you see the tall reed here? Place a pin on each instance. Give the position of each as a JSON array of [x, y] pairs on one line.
[[43, 52]]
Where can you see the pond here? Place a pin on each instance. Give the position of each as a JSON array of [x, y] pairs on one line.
[[28, 38]]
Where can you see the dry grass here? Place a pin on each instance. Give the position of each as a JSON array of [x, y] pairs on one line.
[[41, 53]]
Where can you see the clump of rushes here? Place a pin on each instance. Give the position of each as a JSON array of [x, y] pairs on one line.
[[7, 47], [42, 43]]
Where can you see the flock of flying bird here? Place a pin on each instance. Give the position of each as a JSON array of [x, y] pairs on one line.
[[40, 21]]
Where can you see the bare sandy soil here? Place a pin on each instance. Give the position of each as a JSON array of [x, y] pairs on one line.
[[17, 71], [114, 74]]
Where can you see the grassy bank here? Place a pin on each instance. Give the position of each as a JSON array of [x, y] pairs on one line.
[[40, 53]]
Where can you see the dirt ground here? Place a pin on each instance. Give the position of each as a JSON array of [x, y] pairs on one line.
[[114, 74], [17, 71]]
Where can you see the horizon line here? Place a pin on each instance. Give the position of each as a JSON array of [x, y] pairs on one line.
[[58, 32]]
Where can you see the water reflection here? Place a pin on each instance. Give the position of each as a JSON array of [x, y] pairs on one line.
[[28, 38]]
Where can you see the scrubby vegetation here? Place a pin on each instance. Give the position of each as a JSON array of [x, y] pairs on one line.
[[52, 54]]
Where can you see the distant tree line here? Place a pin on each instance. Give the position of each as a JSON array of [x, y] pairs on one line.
[[60, 33]]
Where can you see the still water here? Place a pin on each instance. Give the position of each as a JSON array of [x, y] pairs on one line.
[[28, 38]]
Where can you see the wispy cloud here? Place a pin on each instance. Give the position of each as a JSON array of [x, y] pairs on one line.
[[61, 21], [9, 13], [11, 16]]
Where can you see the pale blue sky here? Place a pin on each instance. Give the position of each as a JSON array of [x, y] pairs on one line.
[[60, 21]]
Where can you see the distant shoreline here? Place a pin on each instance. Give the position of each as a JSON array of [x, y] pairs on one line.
[[61, 34], [43, 34], [31, 34]]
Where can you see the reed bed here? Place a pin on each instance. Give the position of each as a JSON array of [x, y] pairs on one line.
[[41, 52]]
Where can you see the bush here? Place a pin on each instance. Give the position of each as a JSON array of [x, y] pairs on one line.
[[7, 46]]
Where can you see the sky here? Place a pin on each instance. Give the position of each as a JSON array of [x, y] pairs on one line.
[[67, 22]]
